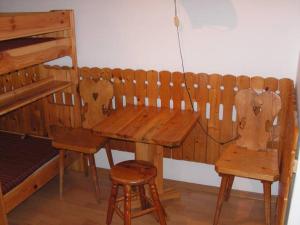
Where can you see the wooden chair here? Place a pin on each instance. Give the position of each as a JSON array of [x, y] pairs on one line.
[[134, 173], [97, 97], [249, 157]]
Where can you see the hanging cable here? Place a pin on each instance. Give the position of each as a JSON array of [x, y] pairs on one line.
[[177, 23]]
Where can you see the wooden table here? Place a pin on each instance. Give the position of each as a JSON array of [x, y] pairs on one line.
[[151, 129]]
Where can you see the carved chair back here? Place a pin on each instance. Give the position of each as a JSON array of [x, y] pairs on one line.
[[256, 114], [97, 98]]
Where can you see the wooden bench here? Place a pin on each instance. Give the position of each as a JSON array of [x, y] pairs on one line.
[[212, 94]]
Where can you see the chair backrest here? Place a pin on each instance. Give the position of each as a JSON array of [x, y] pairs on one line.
[[97, 96], [256, 114]]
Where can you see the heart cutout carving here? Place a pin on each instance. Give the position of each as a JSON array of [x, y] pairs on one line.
[[256, 110], [95, 96]]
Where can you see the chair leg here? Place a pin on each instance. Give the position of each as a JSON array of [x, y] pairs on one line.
[[222, 192], [112, 203], [157, 204], [61, 172], [85, 164], [267, 201], [109, 155], [142, 196], [127, 205], [94, 175], [229, 188]]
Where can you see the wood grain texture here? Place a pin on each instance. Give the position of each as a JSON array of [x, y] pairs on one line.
[[29, 86], [30, 93], [148, 125], [22, 57], [65, 114], [288, 147], [77, 139], [239, 161], [256, 113], [152, 88], [3, 218], [16, 25], [97, 97], [246, 208], [249, 156], [129, 86], [214, 99], [164, 88], [141, 90], [118, 87]]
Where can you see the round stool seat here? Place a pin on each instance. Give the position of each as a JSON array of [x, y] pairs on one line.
[[133, 172]]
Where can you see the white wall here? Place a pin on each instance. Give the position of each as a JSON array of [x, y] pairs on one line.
[[258, 37]]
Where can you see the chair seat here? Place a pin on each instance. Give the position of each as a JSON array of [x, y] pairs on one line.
[[243, 162], [133, 172], [77, 139]]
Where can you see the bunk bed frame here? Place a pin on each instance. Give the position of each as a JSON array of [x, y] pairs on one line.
[[29, 39]]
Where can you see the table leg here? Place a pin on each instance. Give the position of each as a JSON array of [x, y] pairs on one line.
[[154, 154]]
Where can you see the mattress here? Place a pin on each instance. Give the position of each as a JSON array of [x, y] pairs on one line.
[[20, 156], [21, 42]]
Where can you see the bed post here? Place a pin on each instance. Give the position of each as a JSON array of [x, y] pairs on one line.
[[3, 219]]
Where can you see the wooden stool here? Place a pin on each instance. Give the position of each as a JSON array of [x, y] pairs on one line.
[[134, 173]]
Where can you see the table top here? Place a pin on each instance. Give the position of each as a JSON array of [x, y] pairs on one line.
[[149, 125]]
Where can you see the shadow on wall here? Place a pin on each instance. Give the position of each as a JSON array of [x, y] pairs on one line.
[[219, 13]]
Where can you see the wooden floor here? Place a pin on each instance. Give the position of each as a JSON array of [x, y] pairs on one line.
[[79, 206]]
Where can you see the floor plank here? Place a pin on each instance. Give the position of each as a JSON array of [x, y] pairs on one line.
[[79, 206]]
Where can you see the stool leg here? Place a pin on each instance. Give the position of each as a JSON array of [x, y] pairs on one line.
[[94, 175], [157, 204], [61, 172], [112, 203], [127, 205], [142, 196], [222, 192], [229, 188], [267, 201], [109, 155]]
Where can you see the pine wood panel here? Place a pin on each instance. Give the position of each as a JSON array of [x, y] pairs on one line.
[[214, 97], [288, 148], [15, 25], [118, 86], [129, 86], [177, 97], [152, 88], [164, 88], [140, 77], [22, 57], [227, 100], [148, 125], [3, 219], [201, 96], [29, 93]]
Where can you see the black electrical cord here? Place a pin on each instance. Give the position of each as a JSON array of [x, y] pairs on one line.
[[185, 83]]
